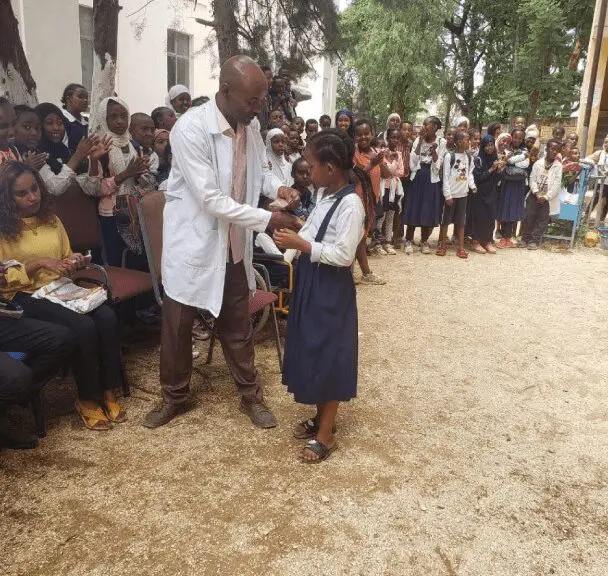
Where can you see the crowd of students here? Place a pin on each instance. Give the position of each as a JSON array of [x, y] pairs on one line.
[[406, 177], [43, 151]]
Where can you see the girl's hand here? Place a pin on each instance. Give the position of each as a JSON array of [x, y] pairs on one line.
[[434, 152], [286, 238], [376, 159], [137, 166], [85, 146], [36, 160], [101, 148], [61, 267], [78, 261]]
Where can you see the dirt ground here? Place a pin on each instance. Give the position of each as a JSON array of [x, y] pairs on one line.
[[478, 447]]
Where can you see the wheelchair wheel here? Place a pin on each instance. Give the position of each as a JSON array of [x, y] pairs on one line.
[[260, 318]]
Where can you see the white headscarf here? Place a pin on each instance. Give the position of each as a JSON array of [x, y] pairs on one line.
[[391, 116], [174, 92], [119, 141], [532, 131], [459, 120], [279, 165]]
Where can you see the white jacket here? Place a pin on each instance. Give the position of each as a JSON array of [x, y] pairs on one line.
[[199, 207], [554, 183]]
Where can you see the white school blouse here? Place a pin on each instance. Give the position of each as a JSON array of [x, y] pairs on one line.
[[343, 234]]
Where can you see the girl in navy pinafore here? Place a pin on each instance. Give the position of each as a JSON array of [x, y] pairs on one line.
[[321, 347]]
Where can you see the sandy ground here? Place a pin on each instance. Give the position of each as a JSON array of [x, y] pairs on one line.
[[478, 446]]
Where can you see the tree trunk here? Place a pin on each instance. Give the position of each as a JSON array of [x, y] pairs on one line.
[[575, 55], [226, 28], [105, 43], [16, 82]]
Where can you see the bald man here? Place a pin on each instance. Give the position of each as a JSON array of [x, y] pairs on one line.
[[219, 170]]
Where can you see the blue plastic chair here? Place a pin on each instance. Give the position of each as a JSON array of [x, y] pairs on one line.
[[573, 212], [35, 401]]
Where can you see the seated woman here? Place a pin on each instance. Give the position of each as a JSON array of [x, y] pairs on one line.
[[32, 235]]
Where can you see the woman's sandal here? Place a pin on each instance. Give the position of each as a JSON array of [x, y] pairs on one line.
[[441, 250], [478, 248], [93, 419], [319, 449], [462, 254], [307, 429], [114, 412]]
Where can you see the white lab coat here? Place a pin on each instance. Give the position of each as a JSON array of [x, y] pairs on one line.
[[199, 207]]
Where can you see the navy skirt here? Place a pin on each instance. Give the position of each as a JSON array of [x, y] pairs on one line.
[[424, 200], [512, 201], [321, 348]]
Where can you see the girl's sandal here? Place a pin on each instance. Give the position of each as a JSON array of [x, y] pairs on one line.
[[319, 449], [114, 412], [462, 254], [307, 429], [93, 419], [441, 250]]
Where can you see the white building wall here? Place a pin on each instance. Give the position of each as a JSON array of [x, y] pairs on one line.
[[51, 39], [322, 84]]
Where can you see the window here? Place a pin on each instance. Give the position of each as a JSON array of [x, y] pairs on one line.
[[178, 59], [86, 46]]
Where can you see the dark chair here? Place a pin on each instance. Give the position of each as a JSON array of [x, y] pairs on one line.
[[78, 213]]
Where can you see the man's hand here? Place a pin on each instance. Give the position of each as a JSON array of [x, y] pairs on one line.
[[540, 199], [280, 219], [449, 202], [291, 195], [285, 239]]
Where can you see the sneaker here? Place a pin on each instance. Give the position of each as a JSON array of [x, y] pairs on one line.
[[372, 279], [409, 249], [389, 250], [258, 413], [382, 251], [425, 248], [163, 415], [523, 244], [532, 246]]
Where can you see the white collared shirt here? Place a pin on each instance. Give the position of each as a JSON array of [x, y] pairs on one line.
[[344, 232]]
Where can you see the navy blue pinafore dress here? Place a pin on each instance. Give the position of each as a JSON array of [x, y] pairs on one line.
[[321, 348]]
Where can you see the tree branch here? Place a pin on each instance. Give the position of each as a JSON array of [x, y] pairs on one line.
[[140, 8], [210, 23]]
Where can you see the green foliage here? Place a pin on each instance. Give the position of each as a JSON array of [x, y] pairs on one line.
[[393, 48], [491, 58]]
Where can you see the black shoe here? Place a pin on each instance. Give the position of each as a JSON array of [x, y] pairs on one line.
[[18, 442], [163, 415], [259, 414]]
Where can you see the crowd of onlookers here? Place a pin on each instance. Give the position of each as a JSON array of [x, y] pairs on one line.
[[407, 176]]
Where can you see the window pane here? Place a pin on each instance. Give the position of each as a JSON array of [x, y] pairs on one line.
[[170, 71], [86, 22], [86, 62], [182, 45], [171, 41], [182, 72]]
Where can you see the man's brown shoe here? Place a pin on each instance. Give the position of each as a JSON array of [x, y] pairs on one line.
[[259, 413], [163, 415]]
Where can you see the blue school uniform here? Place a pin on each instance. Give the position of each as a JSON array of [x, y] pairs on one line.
[[321, 347]]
